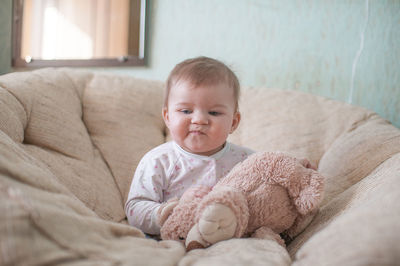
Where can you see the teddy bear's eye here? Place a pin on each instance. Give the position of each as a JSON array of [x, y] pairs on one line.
[[181, 238]]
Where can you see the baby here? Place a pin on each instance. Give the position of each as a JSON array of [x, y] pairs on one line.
[[200, 111]]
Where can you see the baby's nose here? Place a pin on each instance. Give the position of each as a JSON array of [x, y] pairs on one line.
[[199, 118]]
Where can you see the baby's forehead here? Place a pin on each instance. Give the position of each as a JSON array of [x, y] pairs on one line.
[[206, 82], [187, 87], [205, 95]]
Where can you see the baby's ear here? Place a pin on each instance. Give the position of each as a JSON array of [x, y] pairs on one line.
[[165, 210], [235, 121], [165, 115]]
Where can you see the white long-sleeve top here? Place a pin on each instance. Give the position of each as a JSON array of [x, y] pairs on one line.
[[167, 171]]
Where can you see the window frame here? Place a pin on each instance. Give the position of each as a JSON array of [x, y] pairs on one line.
[[136, 43]]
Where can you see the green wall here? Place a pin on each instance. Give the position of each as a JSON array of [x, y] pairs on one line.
[[312, 46], [5, 35]]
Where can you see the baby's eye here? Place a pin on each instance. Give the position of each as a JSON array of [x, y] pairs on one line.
[[181, 238], [185, 111], [213, 113]]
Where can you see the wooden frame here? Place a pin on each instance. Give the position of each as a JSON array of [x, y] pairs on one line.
[[136, 43]]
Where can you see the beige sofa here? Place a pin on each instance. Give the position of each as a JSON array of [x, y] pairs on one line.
[[70, 141]]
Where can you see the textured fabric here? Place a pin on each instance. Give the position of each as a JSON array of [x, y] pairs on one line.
[[70, 141], [356, 153], [51, 130], [301, 124], [167, 171], [358, 227], [238, 252], [123, 118], [43, 223]]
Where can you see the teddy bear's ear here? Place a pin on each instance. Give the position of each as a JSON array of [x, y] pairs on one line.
[[165, 210]]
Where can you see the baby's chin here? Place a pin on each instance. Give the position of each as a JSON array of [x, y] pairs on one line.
[[206, 152]]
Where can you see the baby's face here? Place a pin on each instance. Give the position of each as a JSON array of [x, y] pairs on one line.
[[201, 118]]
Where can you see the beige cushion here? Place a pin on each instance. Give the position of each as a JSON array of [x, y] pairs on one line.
[[358, 227], [291, 121], [356, 153], [51, 130], [239, 252], [43, 223], [123, 118]]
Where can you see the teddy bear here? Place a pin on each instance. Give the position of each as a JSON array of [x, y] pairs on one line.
[[268, 194]]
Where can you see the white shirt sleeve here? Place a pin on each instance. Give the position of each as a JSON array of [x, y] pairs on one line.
[[146, 195]]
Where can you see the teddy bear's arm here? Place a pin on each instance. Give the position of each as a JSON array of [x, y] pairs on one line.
[[217, 222], [165, 210]]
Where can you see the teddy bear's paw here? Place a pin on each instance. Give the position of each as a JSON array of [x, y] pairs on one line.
[[217, 223]]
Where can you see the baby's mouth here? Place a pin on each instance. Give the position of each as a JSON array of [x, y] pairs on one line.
[[196, 132]]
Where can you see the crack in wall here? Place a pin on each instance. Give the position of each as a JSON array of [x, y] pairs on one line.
[[359, 52]]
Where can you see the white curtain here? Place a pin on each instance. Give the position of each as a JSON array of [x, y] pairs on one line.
[[75, 29]]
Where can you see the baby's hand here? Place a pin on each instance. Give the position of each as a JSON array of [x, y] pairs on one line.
[[165, 210]]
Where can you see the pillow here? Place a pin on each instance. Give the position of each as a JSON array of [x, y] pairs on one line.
[[46, 111], [123, 118]]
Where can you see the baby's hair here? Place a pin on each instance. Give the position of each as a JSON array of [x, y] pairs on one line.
[[203, 71]]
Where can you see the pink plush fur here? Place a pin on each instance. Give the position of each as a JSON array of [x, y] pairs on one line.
[[278, 189], [268, 192], [177, 225]]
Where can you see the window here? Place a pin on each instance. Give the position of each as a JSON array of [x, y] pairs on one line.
[[78, 33]]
